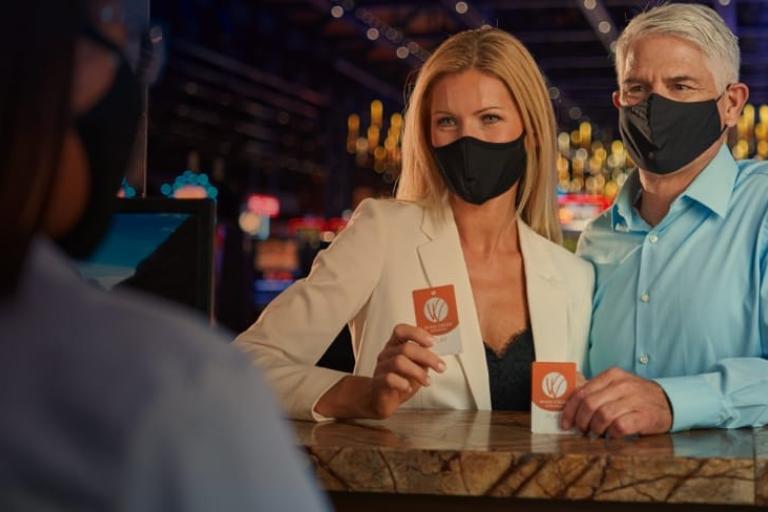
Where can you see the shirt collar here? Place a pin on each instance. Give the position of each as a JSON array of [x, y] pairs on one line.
[[712, 188], [623, 209]]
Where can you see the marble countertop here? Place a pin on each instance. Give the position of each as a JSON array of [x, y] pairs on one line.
[[466, 453]]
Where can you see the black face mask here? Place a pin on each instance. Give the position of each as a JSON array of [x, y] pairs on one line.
[[664, 135], [477, 171], [108, 133]]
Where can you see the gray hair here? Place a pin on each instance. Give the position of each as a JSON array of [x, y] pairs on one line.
[[698, 24]]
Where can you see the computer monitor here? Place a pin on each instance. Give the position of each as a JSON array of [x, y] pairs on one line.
[[160, 246]]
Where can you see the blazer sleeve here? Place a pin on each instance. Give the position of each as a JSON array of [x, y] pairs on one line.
[[299, 325]]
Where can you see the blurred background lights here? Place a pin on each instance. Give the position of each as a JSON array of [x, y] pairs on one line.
[[254, 225], [337, 11], [190, 185], [263, 205], [126, 190]]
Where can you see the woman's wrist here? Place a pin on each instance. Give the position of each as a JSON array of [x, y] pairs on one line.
[[351, 397]]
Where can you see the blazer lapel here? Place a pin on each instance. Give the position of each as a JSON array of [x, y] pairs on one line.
[[547, 297], [443, 263]]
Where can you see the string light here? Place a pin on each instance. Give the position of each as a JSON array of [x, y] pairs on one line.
[[405, 47]]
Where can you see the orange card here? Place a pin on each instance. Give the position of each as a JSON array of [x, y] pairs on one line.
[[552, 384], [437, 313]]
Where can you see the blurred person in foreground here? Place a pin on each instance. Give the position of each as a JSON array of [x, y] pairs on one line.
[[476, 210], [680, 327], [109, 402]]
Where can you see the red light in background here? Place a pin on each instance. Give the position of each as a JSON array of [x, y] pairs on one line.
[[600, 202], [268, 206]]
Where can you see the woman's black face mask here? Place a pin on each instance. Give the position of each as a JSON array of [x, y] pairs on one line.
[[108, 134], [663, 135], [477, 170]]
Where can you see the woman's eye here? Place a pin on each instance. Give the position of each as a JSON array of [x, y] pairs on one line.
[[491, 118], [446, 121]]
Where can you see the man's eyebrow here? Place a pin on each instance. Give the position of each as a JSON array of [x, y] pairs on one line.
[[681, 78]]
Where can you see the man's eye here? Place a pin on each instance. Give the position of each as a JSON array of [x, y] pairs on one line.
[[681, 87]]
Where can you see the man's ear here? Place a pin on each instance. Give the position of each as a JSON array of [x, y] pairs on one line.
[[615, 97], [736, 97]]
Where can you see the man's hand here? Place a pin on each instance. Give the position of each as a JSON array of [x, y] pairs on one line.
[[617, 403]]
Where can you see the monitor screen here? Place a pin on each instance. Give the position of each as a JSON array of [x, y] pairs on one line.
[[159, 246]]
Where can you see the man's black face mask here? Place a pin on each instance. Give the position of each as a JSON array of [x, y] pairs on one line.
[[663, 135]]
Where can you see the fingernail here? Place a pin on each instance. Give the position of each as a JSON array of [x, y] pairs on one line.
[[441, 367], [429, 380], [432, 340]]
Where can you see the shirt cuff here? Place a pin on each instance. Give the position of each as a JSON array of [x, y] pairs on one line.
[[695, 400]]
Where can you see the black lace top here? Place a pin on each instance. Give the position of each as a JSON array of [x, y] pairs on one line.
[[510, 374]]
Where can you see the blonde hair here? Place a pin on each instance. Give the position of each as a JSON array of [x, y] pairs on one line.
[[698, 24], [496, 53]]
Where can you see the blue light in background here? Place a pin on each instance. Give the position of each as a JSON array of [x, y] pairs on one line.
[[190, 179]]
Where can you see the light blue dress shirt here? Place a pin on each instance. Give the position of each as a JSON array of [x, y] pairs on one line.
[[686, 302], [121, 402]]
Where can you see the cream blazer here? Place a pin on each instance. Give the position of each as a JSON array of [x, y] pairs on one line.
[[366, 278]]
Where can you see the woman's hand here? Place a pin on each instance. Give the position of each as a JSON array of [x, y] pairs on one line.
[[402, 369]]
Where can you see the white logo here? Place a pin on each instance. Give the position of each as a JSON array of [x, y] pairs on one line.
[[554, 385], [435, 310]]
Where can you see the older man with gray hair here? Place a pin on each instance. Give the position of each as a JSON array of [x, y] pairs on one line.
[[680, 325]]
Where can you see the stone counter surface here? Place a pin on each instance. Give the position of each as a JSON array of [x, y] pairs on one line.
[[761, 467], [465, 453]]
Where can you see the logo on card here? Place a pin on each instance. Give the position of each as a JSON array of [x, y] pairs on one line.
[[554, 385], [435, 309]]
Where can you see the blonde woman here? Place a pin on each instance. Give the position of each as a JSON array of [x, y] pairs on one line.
[[475, 210]]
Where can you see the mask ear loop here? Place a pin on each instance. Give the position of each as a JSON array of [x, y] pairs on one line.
[[725, 127]]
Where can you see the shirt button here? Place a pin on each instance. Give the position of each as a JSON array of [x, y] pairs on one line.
[[645, 298], [644, 359], [653, 238]]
